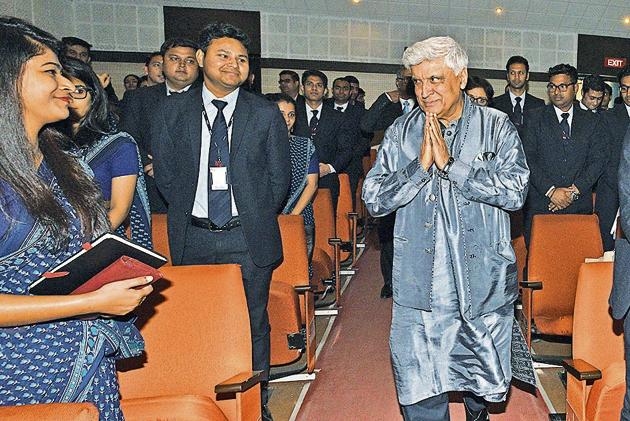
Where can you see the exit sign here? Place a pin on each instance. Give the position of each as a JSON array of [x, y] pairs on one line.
[[615, 62]]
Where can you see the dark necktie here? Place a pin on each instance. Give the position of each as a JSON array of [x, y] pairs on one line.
[[517, 117], [219, 206], [313, 124], [564, 125], [340, 108]]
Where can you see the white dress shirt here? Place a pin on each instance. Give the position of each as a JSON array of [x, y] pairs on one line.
[[559, 113], [341, 107], [309, 115], [200, 207], [513, 99], [169, 90]]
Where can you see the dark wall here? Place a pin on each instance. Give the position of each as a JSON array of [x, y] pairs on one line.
[[187, 22], [593, 49]]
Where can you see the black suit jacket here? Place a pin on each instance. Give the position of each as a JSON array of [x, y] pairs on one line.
[[620, 294], [553, 161], [259, 168], [504, 103], [360, 140], [333, 140], [615, 122], [381, 114]]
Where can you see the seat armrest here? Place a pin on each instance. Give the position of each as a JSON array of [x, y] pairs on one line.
[[353, 214], [535, 285], [581, 370], [239, 383], [303, 289], [334, 241]]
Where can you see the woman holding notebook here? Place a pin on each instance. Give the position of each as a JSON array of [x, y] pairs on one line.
[[49, 207]]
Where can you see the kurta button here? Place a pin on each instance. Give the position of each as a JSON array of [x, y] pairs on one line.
[[428, 250], [432, 197], [472, 256], [428, 225], [471, 230]]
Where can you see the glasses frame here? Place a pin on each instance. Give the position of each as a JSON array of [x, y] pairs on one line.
[[563, 87], [85, 88]]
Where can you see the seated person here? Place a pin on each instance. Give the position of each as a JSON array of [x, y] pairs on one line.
[[479, 90]]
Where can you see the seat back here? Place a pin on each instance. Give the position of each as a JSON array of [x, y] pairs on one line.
[[559, 244], [159, 233], [196, 331], [518, 244], [324, 220], [344, 206], [598, 340]]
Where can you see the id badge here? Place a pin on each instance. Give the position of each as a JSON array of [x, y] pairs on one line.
[[219, 178]]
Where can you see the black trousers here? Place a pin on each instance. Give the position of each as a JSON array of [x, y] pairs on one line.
[[436, 408], [205, 247], [156, 200], [386, 241]]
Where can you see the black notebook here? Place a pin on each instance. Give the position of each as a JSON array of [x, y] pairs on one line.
[[108, 254]]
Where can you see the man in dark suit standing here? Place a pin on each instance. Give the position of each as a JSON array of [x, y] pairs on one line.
[[222, 162], [181, 71], [620, 294], [352, 113], [382, 114], [289, 83], [330, 132], [563, 145], [516, 102], [616, 121]]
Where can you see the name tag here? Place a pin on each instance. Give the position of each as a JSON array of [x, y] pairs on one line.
[[219, 178]]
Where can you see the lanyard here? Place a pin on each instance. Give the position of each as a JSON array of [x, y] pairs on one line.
[[204, 113]]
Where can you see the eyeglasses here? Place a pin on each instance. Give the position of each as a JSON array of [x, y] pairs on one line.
[[179, 60], [624, 89], [342, 88], [479, 100], [403, 79], [281, 81], [80, 92], [561, 87]]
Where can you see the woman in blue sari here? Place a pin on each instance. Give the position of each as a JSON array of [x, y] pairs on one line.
[[49, 207], [112, 155]]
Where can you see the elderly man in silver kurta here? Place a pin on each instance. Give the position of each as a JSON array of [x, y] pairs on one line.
[[451, 170]]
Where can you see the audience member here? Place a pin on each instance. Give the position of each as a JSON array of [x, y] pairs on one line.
[[289, 84], [361, 97], [516, 102], [354, 88], [564, 153], [479, 91], [607, 95], [153, 69], [142, 82], [223, 203], [304, 172], [73, 47], [382, 114], [360, 141], [330, 133], [180, 70], [454, 294], [131, 82], [616, 122], [592, 93], [49, 207], [112, 154]]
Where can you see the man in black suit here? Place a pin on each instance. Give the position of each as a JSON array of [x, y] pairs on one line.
[[563, 147], [222, 162], [181, 71], [289, 83], [620, 294], [616, 121], [516, 102], [330, 132], [360, 141], [592, 93], [383, 112]]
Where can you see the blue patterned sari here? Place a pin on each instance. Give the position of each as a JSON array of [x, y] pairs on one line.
[[61, 361]]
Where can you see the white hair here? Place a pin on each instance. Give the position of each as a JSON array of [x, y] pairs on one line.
[[435, 48]]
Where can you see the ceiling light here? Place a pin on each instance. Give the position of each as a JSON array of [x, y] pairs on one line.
[[498, 10], [356, 1], [626, 20]]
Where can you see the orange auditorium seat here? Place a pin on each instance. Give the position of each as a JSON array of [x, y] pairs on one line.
[[50, 412], [291, 302], [520, 250], [323, 254], [559, 244], [596, 374], [159, 235], [346, 222], [198, 359]]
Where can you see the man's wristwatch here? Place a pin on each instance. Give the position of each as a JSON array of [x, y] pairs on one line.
[[447, 167], [575, 196]]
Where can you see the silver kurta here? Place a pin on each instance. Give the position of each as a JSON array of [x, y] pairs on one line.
[[454, 275]]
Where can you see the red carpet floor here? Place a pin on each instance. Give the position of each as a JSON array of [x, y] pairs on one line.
[[356, 380]]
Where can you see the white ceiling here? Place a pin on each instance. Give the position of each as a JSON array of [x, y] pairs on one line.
[[597, 17]]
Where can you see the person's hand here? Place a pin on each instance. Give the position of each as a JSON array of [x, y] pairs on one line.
[[121, 297], [426, 151], [324, 169], [148, 169], [560, 199], [394, 96], [438, 144], [105, 79]]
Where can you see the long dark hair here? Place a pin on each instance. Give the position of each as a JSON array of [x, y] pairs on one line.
[[20, 42], [98, 120]]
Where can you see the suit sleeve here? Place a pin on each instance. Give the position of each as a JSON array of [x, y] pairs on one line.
[[597, 159], [538, 178], [502, 183], [388, 187], [279, 159], [373, 120], [624, 183], [164, 154], [130, 122], [345, 144]]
